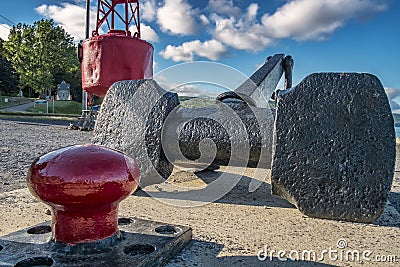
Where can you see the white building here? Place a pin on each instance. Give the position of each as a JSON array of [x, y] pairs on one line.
[[63, 91]]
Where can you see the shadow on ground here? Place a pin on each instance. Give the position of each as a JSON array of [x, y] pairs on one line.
[[201, 253], [394, 199], [240, 194], [40, 121], [391, 215]]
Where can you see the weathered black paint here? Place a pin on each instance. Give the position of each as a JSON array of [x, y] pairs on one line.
[[335, 147]]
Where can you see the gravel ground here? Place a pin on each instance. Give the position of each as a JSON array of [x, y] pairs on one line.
[[228, 232], [22, 142], [18, 149]]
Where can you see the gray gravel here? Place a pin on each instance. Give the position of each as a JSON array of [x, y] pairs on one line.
[[21, 143]]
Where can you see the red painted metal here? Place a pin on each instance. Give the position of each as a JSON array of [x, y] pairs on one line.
[[117, 55], [112, 57], [84, 185]]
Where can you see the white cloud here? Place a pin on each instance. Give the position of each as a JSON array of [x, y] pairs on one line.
[[315, 20], [394, 98], [148, 34], [177, 17], [297, 19], [148, 10], [177, 53], [224, 7], [186, 52], [79, 1], [194, 91], [204, 19], [242, 34], [70, 17], [4, 31], [252, 12], [185, 89]]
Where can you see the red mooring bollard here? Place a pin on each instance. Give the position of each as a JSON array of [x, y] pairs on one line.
[[84, 185]]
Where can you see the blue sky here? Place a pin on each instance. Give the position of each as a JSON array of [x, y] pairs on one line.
[[321, 35]]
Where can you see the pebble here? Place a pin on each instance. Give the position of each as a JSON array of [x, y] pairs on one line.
[[22, 143]]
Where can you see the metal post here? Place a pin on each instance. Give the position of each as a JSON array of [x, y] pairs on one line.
[[87, 18], [138, 20], [112, 16], [84, 93], [126, 18]]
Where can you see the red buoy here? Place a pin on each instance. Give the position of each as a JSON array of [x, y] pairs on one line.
[[83, 185], [117, 55]]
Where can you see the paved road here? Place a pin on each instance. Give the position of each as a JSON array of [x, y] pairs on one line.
[[22, 107]]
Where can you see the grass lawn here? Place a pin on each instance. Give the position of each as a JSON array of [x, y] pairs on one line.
[[192, 102], [13, 101], [60, 107]]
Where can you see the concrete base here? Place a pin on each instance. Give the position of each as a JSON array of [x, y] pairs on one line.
[[138, 243]]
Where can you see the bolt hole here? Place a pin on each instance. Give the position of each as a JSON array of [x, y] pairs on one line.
[[39, 230], [167, 230], [125, 221], [35, 262], [139, 249]]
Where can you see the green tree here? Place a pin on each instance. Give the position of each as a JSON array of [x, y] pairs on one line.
[[42, 54], [8, 76]]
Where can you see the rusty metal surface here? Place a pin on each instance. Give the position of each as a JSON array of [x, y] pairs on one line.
[[137, 243], [83, 184]]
